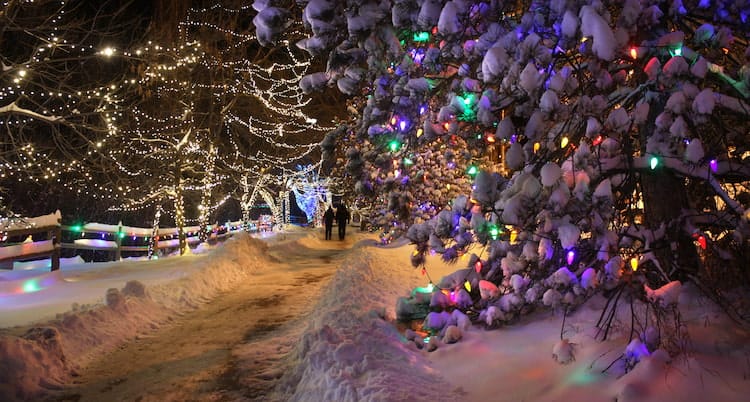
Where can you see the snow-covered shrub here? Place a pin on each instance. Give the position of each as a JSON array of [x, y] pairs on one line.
[[563, 350], [665, 296], [582, 118], [634, 353], [453, 334]]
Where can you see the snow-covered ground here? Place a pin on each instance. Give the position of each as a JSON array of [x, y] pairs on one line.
[[351, 348]]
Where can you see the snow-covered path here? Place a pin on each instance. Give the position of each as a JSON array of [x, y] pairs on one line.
[[192, 359]]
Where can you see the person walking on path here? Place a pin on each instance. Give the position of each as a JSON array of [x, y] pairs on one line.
[[328, 221], [342, 218]]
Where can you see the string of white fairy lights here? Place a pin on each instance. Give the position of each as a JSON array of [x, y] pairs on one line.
[[278, 95]]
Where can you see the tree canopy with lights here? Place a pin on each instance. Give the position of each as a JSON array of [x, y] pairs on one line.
[[131, 109], [55, 81]]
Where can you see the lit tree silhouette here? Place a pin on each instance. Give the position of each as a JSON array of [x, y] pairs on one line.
[[208, 112], [55, 78]]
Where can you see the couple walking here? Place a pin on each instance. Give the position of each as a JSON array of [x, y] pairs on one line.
[[342, 219]]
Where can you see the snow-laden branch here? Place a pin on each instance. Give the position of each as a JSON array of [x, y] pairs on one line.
[[738, 85], [648, 237], [12, 108], [156, 194], [184, 139], [733, 103]]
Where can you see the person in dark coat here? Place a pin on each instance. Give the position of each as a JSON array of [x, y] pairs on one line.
[[342, 218], [328, 221]]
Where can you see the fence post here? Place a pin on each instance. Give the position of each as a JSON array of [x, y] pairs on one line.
[[56, 243], [118, 242]]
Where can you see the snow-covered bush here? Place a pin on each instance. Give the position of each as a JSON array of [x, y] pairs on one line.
[[591, 144]]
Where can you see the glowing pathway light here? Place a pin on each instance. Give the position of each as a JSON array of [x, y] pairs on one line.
[[584, 376], [36, 284], [30, 286]]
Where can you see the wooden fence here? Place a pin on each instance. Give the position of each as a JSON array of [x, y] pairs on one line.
[[49, 247], [44, 237]]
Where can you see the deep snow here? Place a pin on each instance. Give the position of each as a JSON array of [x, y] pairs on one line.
[[350, 347]]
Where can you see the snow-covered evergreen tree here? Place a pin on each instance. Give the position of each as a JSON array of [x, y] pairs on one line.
[[624, 128]]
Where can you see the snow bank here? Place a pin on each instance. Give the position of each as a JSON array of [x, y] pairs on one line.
[[45, 357], [351, 351]]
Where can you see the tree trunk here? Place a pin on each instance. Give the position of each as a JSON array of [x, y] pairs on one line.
[[179, 210], [206, 196], [153, 242], [664, 199]]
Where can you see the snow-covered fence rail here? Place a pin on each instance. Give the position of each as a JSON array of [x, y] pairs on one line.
[[23, 229], [25, 239], [118, 238]]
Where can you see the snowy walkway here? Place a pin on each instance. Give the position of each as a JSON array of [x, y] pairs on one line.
[[192, 359]]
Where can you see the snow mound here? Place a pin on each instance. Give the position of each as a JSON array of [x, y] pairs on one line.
[[45, 356], [350, 351]]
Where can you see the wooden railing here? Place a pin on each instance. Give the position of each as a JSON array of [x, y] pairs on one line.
[[49, 247], [16, 240], [118, 238]]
